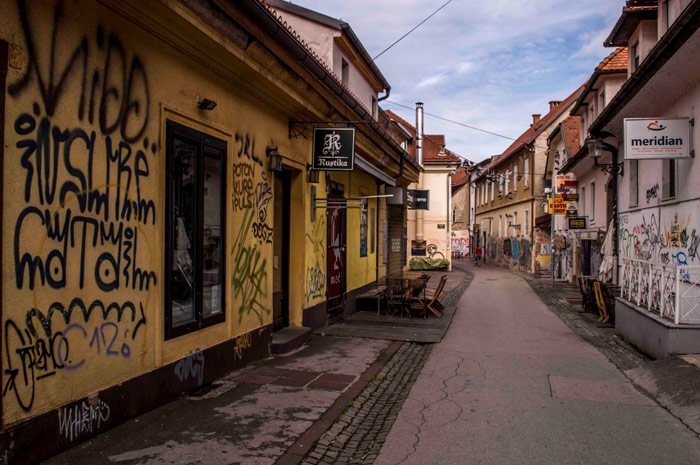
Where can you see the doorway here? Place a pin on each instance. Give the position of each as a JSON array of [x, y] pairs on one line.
[[280, 254], [336, 255]]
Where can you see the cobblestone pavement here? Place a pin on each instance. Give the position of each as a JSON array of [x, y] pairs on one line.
[[623, 355], [358, 435]]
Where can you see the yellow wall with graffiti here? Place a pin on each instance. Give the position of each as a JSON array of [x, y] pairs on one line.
[[84, 200]]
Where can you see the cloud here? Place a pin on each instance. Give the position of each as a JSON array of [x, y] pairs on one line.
[[486, 64], [432, 80]]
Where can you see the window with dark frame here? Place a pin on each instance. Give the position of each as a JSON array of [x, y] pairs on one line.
[[635, 56], [195, 221], [669, 179]]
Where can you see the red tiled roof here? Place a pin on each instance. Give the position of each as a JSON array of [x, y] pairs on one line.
[[460, 177], [616, 61], [434, 150], [529, 136], [571, 130]]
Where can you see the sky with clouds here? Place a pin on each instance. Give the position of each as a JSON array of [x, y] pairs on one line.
[[489, 64]]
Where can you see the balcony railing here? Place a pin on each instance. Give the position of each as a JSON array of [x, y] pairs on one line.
[[671, 291]]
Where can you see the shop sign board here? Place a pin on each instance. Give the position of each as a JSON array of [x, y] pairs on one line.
[[560, 205], [418, 199], [333, 149], [566, 184], [657, 138], [578, 222]]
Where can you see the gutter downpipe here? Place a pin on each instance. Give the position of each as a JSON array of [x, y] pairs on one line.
[[419, 159]]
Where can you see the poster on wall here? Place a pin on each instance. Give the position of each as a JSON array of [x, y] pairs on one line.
[[657, 138], [363, 229], [333, 149]]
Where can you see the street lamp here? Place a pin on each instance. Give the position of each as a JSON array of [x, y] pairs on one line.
[[596, 147]]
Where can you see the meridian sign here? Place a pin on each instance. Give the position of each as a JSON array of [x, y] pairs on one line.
[[334, 149], [657, 138]]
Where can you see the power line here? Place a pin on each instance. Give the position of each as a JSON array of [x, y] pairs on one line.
[[416, 27], [461, 124]]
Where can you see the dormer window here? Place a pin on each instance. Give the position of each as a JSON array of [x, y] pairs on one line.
[[375, 106], [635, 56]]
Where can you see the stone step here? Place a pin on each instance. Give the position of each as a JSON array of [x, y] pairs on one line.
[[289, 339]]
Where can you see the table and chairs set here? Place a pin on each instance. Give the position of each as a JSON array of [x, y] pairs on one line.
[[409, 296]]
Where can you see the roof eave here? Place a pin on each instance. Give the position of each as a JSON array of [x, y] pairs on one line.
[[681, 30], [626, 24]]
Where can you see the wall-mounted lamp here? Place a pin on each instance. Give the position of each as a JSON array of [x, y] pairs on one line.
[[205, 104], [313, 175], [596, 147], [274, 159]]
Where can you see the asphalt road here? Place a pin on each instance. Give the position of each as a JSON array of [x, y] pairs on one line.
[[511, 384]]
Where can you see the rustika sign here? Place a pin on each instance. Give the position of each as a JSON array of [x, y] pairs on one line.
[[334, 149]]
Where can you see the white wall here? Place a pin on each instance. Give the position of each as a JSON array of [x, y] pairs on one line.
[[664, 231], [356, 82]]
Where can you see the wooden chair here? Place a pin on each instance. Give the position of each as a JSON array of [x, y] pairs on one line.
[[416, 295], [605, 301], [431, 301], [588, 299], [606, 297]]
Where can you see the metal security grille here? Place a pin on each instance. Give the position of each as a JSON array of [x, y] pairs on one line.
[[396, 244]]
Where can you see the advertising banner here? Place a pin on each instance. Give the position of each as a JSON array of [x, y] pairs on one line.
[[657, 138], [333, 149]]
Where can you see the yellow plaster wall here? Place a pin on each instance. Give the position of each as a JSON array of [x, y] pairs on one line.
[[57, 336]]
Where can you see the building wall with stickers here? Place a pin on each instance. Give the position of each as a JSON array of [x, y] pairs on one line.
[[658, 218], [138, 207], [106, 171]]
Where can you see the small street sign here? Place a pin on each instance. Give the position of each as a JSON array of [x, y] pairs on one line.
[[578, 222], [418, 199]]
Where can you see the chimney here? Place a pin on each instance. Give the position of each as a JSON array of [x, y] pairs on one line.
[[553, 104], [419, 133], [536, 119]]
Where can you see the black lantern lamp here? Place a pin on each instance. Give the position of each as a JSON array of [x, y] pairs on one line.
[[596, 147], [274, 159]]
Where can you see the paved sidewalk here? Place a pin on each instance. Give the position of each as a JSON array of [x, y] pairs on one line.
[[511, 384], [396, 328], [674, 383], [345, 391], [252, 416]]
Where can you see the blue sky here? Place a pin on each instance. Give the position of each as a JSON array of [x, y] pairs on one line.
[[490, 64]]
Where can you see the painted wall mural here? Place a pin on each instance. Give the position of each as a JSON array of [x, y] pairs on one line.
[[79, 239]]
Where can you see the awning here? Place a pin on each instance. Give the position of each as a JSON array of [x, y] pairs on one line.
[[372, 170]]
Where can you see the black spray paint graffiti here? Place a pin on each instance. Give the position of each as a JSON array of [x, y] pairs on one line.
[[261, 230], [85, 417], [246, 148], [85, 203], [243, 193], [37, 351], [118, 88], [249, 272], [433, 252], [191, 366], [652, 193], [315, 275]]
